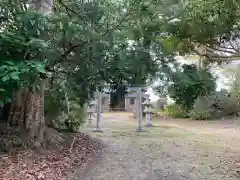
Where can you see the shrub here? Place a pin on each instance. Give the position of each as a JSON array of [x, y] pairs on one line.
[[58, 118], [189, 84], [202, 109], [232, 106], [77, 115], [219, 102], [226, 102], [73, 120], [175, 111], [217, 105]]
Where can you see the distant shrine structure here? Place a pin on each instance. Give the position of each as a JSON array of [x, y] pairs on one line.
[[125, 103]]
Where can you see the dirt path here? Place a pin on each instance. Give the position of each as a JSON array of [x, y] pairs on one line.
[[168, 151]]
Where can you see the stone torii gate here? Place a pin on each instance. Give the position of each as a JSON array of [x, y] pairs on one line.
[[139, 107]]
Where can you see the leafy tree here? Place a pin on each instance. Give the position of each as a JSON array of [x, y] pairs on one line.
[[189, 84], [207, 28], [75, 50]]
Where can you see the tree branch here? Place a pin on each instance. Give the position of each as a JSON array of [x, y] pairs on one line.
[[70, 49], [213, 50], [67, 8], [233, 46], [211, 54], [117, 25], [56, 71]]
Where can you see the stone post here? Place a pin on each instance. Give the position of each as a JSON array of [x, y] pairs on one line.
[[139, 112], [99, 111], [126, 105]]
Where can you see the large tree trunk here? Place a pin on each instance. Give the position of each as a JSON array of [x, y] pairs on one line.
[[16, 114], [5, 112], [27, 108], [27, 111]]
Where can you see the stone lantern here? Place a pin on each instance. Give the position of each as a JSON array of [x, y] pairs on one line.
[[147, 111], [90, 111]]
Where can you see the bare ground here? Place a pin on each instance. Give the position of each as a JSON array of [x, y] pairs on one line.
[[172, 149], [56, 162]]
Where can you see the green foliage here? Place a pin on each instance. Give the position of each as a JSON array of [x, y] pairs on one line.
[[234, 99], [83, 43], [194, 26], [175, 111], [202, 109], [79, 48], [56, 108], [189, 84], [71, 121], [209, 28], [13, 74], [216, 105], [21, 61], [54, 102], [219, 101], [228, 102], [223, 103], [77, 116]]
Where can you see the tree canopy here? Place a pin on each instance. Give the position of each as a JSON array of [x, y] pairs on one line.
[[206, 28], [85, 44], [189, 84]]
